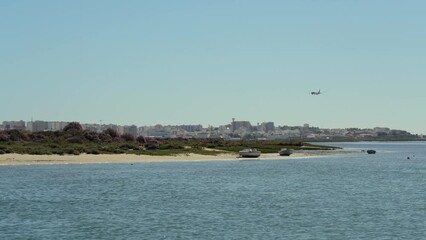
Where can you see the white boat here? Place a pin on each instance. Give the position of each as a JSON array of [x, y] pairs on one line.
[[250, 153]]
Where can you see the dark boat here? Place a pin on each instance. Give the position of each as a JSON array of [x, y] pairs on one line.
[[371, 151], [285, 152]]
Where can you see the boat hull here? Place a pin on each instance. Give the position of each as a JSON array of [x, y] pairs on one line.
[[249, 153], [285, 152]]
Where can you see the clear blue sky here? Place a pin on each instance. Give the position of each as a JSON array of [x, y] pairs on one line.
[[204, 62]]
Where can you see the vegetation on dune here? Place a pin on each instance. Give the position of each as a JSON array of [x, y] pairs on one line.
[[73, 140]]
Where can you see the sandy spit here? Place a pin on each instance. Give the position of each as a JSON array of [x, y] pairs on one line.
[[27, 159]]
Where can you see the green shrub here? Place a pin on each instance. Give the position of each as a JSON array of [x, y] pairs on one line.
[[94, 151], [53, 145], [39, 151], [75, 139], [128, 137], [92, 136], [70, 151], [58, 152], [111, 132], [128, 146]]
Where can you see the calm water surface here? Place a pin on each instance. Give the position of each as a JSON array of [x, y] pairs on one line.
[[381, 196]]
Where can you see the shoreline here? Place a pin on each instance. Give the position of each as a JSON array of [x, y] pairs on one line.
[[12, 159]]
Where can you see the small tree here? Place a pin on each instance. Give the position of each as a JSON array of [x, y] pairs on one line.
[[17, 135], [92, 136], [128, 137], [73, 126], [105, 137], [111, 132], [4, 137], [141, 139], [153, 144]]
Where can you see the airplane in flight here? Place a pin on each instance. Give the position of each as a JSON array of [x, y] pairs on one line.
[[316, 93]]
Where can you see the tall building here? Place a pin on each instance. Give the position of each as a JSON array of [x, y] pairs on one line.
[[29, 126], [132, 130], [39, 126], [268, 126], [235, 125], [20, 125], [191, 128], [56, 126]]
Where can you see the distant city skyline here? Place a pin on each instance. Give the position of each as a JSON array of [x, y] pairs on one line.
[[206, 62], [43, 125], [236, 130]]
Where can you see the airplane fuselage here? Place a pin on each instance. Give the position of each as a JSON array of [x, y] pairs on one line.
[[316, 93]]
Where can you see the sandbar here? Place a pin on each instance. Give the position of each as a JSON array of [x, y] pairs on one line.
[[27, 159]]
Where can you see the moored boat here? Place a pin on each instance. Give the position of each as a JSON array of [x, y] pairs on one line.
[[249, 153], [285, 152], [371, 151]]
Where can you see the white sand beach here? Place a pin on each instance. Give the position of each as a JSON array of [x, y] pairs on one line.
[[27, 159]]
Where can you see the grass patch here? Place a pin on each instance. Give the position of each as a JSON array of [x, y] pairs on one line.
[[76, 142]]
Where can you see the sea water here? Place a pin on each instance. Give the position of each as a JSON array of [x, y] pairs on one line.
[[356, 196]]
